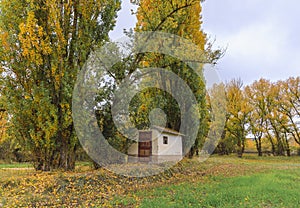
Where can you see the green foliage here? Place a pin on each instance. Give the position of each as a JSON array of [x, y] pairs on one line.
[[43, 46], [183, 19], [176, 17]]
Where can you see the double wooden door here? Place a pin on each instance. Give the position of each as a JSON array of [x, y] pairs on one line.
[[145, 144]]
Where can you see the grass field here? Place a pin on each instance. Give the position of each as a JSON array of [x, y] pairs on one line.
[[272, 189], [217, 182]]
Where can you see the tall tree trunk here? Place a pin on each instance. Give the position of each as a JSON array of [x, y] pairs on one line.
[[288, 149], [239, 149], [258, 146], [192, 152], [243, 146], [272, 143], [67, 150]]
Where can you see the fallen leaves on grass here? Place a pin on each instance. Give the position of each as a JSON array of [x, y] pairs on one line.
[[99, 188]]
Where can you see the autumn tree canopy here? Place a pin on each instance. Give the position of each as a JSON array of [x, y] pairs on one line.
[[182, 18], [264, 111], [44, 43]]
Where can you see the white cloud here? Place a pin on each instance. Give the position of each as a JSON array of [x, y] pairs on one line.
[[259, 42], [262, 39]]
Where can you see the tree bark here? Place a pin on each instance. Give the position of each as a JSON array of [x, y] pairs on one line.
[[258, 146]]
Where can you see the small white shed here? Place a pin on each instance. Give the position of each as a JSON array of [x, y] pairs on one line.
[[157, 144]]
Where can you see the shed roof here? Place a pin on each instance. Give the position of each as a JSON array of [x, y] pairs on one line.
[[167, 130]]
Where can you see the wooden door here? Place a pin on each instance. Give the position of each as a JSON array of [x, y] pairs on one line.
[[145, 144]]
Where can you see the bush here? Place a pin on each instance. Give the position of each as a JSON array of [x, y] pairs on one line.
[[298, 151], [6, 153]]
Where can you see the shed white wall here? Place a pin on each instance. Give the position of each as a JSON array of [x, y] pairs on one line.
[[174, 146]]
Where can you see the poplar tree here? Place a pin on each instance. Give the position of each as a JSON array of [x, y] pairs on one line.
[[182, 18], [239, 111], [44, 43]]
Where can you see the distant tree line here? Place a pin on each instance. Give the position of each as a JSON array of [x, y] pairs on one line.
[[264, 111]]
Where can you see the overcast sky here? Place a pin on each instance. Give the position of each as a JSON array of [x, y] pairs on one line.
[[262, 37]]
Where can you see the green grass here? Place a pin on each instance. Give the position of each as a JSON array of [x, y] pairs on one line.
[[29, 165], [278, 188], [16, 165], [270, 188], [274, 189]]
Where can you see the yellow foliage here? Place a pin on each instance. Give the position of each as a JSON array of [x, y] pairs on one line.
[[33, 41], [178, 17], [3, 126]]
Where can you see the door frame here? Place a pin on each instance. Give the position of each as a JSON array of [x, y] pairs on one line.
[[141, 143]]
